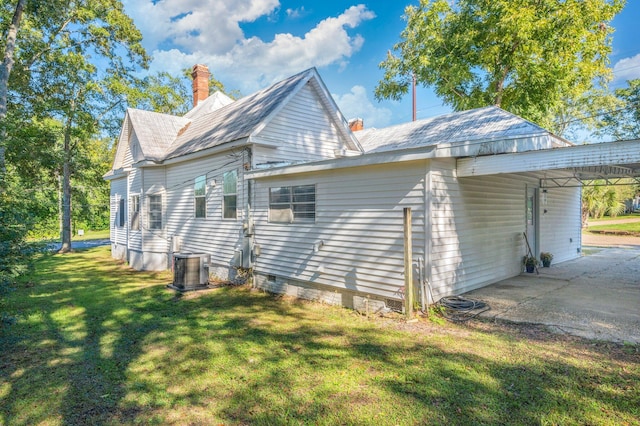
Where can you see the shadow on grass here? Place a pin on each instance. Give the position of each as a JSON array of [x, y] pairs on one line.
[[97, 343]]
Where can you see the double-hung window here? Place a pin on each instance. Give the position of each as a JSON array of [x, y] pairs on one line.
[[200, 199], [292, 204], [121, 220], [134, 208], [155, 211], [229, 194]]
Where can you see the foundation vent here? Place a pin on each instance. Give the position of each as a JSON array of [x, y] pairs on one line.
[[394, 305]]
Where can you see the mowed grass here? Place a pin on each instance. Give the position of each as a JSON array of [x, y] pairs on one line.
[[97, 343], [632, 228], [102, 234], [634, 215]]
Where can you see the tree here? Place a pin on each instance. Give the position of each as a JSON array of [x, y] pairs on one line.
[[530, 57], [56, 74], [5, 71], [624, 122], [599, 199]]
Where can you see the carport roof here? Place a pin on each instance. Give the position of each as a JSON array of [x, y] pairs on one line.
[[608, 161]]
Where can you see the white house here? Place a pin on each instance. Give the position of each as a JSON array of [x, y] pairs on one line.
[[278, 182]]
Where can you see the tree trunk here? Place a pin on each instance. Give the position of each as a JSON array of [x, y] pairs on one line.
[[66, 188], [5, 71]]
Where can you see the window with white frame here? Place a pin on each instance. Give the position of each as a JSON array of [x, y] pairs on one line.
[[230, 194], [199, 193], [155, 211], [134, 208], [292, 204]]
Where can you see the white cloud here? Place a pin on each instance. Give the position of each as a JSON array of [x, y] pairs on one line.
[[180, 33], [356, 104], [627, 69], [296, 13], [196, 25]]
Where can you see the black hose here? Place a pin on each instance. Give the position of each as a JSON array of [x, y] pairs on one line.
[[460, 309]]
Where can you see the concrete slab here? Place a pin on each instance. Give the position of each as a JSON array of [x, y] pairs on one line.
[[596, 296]]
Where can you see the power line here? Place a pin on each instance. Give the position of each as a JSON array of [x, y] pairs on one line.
[[633, 105]]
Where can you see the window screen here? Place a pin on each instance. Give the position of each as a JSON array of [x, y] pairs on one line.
[[229, 194], [292, 204], [200, 192], [135, 212], [155, 211], [121, 212]]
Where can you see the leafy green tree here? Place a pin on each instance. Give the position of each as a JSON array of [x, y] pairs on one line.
[[63, 53], [624, 122], [531, 57]]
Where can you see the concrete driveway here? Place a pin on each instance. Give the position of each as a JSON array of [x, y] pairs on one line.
[[596, 296]]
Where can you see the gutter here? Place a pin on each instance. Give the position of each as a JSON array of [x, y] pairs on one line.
[[419, 153]]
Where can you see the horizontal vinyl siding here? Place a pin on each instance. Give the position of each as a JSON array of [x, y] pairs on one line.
[[212, 235], [135, 188], [302, 130], [476, 229], [117, 235], [128, 157], [359, 218], [561, 227]]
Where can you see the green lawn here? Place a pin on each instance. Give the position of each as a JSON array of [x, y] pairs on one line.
[[88, 235], [92, 235], [96, 343], [630, 228], [635, 215]]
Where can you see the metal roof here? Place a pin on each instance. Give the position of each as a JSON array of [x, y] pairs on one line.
[[481, 124], [214, 102], [219, 120], [155, 132], [235, 121]]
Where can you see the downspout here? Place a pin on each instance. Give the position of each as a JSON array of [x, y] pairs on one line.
[[249, 226], [128, 224], [428, 213], [143, 217]]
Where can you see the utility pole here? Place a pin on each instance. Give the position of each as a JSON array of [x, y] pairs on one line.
[[414, 96]]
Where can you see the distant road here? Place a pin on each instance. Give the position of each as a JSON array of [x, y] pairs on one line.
[[81, 244], [611, 240]]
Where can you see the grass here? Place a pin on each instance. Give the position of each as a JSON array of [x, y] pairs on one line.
[[92, 235], [634, 215], [88, 235], [97, 343], [631, 228]]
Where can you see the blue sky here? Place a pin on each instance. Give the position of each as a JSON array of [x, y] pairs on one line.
[[249, 44]]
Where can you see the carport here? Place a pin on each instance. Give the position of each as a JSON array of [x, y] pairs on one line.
[[594, 296], [575, 165]]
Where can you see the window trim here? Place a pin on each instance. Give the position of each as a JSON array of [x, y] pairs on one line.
[[291, 203], [230, 194], [200, 184], [151, 212]]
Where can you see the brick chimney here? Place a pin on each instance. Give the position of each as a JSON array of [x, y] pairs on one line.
[[200, 75], [356, 124]]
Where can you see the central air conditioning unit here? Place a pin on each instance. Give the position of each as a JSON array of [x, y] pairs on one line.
[[190, 270]]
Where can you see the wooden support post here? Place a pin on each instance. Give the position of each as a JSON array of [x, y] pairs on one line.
[[408, 265]]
